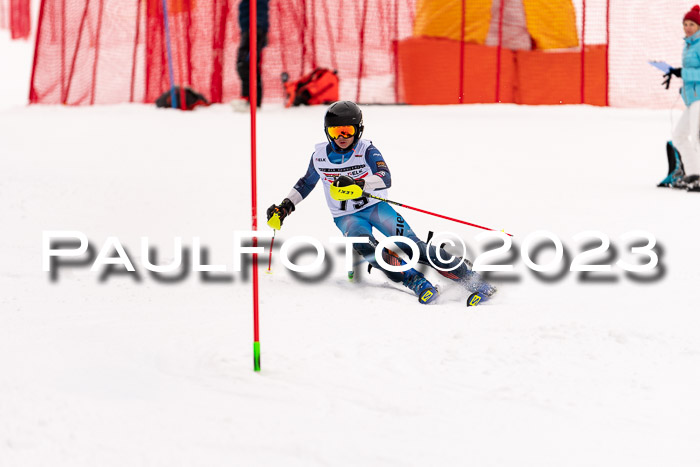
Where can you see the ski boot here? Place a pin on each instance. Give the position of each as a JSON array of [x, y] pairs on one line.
[[421, 286], [673, 180], [481, 290], [676, 170]]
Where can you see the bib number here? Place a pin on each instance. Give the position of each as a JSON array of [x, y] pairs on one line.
[[357, 203]]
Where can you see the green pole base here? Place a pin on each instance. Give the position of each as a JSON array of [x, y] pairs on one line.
[[256, 355]]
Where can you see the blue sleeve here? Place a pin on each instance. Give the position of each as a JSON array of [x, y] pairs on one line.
[[690, 74], [308, 181], [377, 165]]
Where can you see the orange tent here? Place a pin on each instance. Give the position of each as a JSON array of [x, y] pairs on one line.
[[551, 24]]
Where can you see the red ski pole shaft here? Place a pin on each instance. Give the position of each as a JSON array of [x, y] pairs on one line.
[[434, 214], [272, 242]]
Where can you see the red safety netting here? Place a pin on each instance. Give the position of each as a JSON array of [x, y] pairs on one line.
[[385, 51], [102, 52], [15, 16], [634, 40], [4, 14]]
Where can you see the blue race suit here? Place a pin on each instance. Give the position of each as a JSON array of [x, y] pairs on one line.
[[357, 218]]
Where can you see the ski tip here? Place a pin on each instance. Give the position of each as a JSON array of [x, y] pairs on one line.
[[476, 298], [428, 295]]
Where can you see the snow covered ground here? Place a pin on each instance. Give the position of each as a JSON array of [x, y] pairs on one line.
[[130, 370]]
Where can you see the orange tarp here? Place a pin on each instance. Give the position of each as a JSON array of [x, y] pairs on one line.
[[555, 77], [429, 74]]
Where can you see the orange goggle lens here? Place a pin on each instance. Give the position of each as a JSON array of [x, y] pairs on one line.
[[346, 131]]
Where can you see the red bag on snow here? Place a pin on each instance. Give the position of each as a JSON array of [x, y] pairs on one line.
[[318, 87]]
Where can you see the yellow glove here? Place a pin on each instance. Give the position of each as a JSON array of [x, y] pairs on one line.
[[276, 214]]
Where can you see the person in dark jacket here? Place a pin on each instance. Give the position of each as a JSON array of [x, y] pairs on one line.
[[243, 59]]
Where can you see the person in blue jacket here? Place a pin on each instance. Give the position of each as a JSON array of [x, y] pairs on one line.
[[686, 135], [349, 168]]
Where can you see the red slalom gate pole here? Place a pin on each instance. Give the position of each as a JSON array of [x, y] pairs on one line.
[[435, 214], [253, 96]]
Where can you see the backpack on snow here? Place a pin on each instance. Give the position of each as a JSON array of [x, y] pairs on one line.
[[318, 87], [192, 99]]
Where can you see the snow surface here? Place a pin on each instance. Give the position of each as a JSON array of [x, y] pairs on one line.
[[122, 371]]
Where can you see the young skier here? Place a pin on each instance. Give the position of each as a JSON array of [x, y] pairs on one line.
[[349, 167]]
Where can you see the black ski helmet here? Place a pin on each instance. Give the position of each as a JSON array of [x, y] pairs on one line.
[[343, 113]]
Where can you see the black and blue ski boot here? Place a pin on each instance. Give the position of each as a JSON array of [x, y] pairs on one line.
[[674, 179], [421, 286], [676, 170], [481, 296], [481, 290]]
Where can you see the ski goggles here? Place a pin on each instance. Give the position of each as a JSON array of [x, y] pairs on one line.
[[346, 131]]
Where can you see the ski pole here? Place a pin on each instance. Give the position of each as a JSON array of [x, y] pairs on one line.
[[433, 213], [173, 101], [272, 242]]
